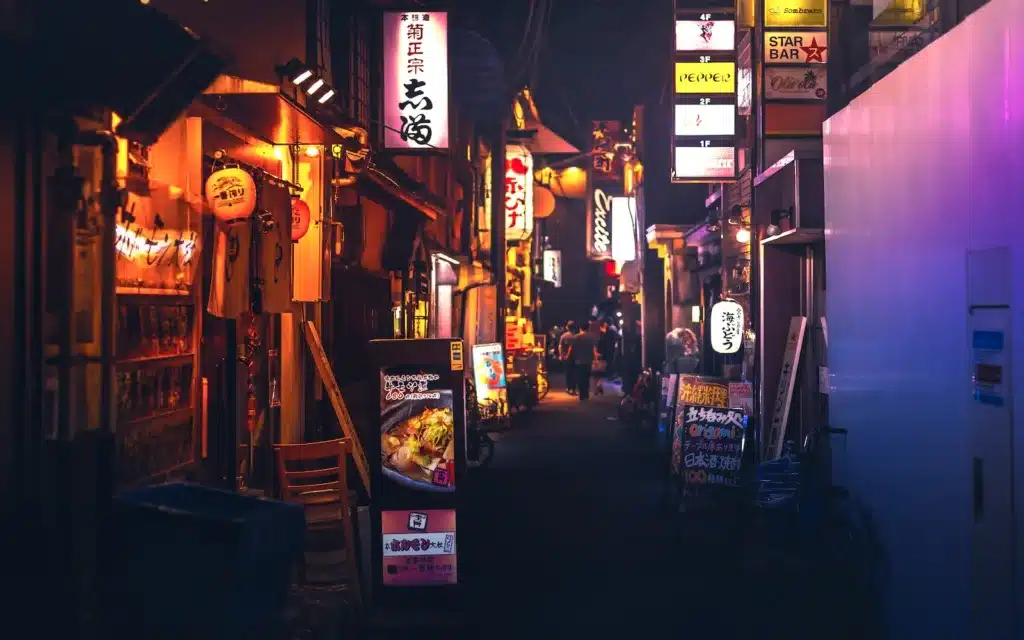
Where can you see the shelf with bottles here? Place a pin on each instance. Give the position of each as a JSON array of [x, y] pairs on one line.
[[154, 329], [155, 449], [149, 393]]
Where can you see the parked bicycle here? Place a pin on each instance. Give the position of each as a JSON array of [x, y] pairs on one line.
[[638, 408], [480, 445], [825, 534]]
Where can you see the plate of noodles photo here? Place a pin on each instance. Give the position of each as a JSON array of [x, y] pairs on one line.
[[417, 443]]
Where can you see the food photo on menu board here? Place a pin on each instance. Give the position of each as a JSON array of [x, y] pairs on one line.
[[417, 431]]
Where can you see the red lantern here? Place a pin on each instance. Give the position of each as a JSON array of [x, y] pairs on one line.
[[231, 194], [300, 219]]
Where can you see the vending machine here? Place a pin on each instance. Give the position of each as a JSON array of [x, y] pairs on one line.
[[419, 474]]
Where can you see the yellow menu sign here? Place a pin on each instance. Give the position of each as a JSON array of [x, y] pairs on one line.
[[705, 77], [795, 13]]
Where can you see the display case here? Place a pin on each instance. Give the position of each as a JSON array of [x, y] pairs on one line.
[[157, 244]]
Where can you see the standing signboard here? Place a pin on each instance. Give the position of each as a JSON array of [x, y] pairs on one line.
[[489, 376], [418, 473], [694, 391], [787, 380], [712, 445]]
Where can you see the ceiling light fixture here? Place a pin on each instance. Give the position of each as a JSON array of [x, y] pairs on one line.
[[306, 77]]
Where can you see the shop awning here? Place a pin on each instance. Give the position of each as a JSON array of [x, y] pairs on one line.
[[118, 54], [262, 109], [795, 237], [544, 141], [387, 178]]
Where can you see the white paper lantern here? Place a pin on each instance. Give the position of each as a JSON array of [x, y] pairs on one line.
[[726, 327], [231, 194]]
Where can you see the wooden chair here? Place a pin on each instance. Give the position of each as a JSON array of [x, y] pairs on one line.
[[318, 480]]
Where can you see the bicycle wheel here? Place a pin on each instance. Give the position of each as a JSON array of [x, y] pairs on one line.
[[486, 450]]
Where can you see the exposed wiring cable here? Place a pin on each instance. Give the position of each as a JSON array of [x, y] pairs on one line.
[[527, 29]]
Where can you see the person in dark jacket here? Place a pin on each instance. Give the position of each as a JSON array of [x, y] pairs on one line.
[[565, 355]]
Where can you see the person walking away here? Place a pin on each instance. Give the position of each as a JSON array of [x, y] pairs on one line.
[[632, 358], [606, 347], [564, 354], [584, 352]]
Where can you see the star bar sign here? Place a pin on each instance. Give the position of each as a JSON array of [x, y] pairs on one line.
[[813, 51]]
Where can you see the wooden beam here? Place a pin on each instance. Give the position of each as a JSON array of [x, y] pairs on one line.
[[323, 368]]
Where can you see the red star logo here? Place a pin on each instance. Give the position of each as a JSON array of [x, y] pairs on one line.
[[814, 52]]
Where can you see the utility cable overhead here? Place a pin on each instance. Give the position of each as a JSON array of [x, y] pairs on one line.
[[535, 68], [527, 28], [521, 64]]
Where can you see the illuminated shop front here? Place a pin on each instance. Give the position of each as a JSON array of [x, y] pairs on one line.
[[220, 214]]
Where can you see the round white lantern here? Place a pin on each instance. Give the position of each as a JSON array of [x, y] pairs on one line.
[[727, 327], [231, 194]]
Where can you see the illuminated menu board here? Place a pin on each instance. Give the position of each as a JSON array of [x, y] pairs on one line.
[[706, 85]]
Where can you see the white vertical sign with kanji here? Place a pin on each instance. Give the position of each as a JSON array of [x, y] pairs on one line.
[[415, 80], [518, 193], [787, 380], [553, 267]]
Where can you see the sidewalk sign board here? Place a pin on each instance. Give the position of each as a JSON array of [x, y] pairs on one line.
[[418, 474], [787, 381], [695, 391], [712, 445]]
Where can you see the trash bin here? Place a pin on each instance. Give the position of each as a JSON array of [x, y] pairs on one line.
[[188, 561]]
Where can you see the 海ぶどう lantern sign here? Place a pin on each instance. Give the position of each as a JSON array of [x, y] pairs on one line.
[[300, 219], [231, 194], [726, 327]]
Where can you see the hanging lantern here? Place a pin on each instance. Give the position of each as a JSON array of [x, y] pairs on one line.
[[231, 194], [726, 326], [300, 219]]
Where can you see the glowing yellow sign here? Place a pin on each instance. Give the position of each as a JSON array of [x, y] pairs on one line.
[[899, 13], [705, 77], [795, 13]]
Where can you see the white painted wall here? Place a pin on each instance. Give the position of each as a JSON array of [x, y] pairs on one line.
[[922, 168]]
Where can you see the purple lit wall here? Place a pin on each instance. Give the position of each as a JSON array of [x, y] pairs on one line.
[[920, 171]]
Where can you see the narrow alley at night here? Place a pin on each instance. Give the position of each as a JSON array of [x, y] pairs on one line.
[[372, 319]]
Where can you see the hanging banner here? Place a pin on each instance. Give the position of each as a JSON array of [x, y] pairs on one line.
[[518, 193], [274, 271], [415, 46], [229, 273]]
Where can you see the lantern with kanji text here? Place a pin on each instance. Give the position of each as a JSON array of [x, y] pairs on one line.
[[300, 219], [231, 194], [727, 327]]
